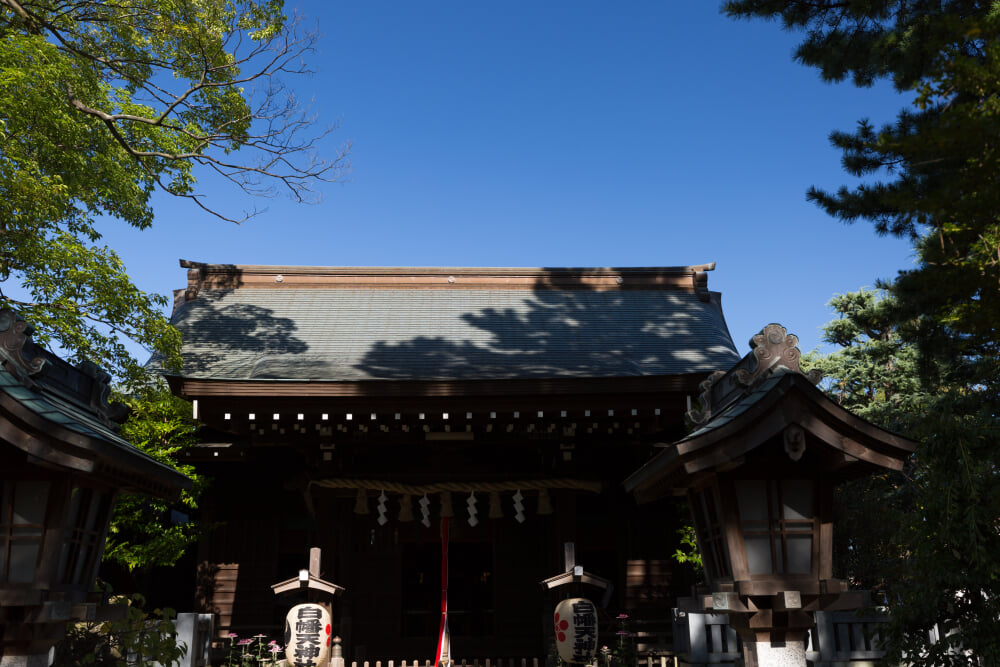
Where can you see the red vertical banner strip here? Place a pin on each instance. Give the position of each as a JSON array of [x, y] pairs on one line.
[[444, 639]]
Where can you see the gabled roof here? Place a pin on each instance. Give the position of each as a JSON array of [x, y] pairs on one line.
[[355, 324], [59, 414], [763, 397]]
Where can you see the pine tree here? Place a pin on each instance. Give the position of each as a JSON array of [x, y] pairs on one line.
[[931, 176]]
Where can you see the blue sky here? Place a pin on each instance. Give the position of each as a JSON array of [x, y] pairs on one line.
[[558, 133]]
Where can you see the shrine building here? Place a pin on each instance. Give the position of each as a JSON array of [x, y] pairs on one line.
[[351, 409]]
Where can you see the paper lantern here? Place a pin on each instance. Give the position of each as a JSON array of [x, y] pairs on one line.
[[446, 508], [307, 635], [576, 630], [405, 508], [544, 502], [361, 502], [496, 512]]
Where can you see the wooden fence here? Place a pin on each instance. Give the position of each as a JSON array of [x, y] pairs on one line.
[[644, 661], [484, 662]]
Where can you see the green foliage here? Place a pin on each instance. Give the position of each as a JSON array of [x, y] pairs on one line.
[[623, 652], [930, 547], [142, 534], [137, 638], [102, 105], [688, 551], [874, 374], [931, 176], [950, 575]]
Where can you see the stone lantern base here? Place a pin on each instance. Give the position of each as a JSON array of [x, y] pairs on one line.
[[774, 654], [27, 659]]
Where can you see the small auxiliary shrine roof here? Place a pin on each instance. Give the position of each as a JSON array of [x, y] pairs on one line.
[[356, 324], [766, 397], [59, 415]]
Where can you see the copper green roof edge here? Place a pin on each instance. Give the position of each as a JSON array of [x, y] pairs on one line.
[[62, 413]]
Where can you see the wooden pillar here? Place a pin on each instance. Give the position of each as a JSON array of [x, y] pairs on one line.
[[343, 516]]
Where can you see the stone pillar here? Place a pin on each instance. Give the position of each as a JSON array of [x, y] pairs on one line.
[[27, 659], [774, 654]]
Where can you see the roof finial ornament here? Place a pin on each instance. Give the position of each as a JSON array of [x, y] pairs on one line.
[[700, 416], [110, 412], [14, 334], [774, 348]]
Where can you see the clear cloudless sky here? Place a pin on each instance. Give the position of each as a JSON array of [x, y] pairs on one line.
[[561, 133]]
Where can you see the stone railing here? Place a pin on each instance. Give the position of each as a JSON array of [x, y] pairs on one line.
[[839, 639]]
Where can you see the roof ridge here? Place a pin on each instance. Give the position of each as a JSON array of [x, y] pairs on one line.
[[441, 270], [234, 276]]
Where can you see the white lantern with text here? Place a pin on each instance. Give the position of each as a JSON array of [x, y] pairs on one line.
[[307, 635], [576, 630]]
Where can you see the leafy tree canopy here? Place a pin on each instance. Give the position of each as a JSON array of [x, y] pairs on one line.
[[148, 533], [873, 373], [105, 103], [927, 547]]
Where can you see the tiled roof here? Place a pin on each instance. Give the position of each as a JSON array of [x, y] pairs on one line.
[[55, 409], [60, 413], [737, 408], [450, 332]]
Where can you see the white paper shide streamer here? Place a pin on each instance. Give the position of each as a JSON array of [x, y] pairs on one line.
[[382, 519], [471, 503], [425, 511], [518, 507]]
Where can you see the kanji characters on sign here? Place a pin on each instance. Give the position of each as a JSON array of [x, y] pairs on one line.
[[576, 630], [307, 635]]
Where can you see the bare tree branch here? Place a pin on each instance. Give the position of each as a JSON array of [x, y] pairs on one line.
[[262, 149]]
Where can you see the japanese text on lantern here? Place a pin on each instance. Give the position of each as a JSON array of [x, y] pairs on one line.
[[307, 635], [307, 627], [585, 639], [576, 631]]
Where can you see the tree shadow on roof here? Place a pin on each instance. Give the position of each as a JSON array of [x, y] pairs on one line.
[[233, 340], [560, 327]]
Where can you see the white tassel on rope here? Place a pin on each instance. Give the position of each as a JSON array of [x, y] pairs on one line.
[[425, 511], [471, 502], [382, 520]]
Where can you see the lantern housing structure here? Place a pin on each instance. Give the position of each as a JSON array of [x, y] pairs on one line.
[[62, 463], [758, 470]]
